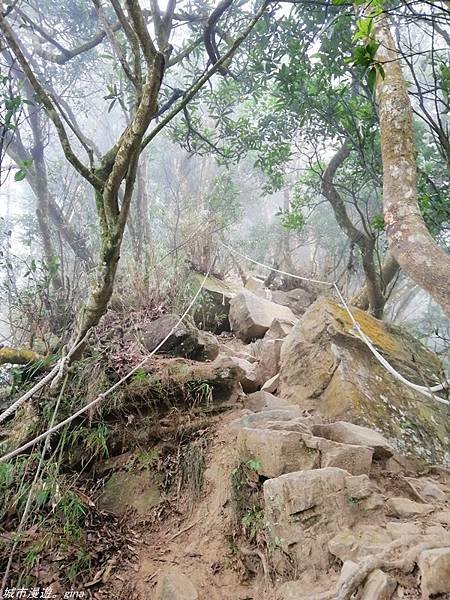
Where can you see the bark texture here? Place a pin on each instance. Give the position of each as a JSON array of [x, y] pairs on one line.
[[409, 239], [389, 270]]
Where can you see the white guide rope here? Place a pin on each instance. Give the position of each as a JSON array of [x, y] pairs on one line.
[[57, 369], [33, 488], [426, 391], [100, 397]]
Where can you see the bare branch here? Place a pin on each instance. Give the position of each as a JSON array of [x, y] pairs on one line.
[[65, 54], [209, 33], [132, 39], [207, 76], [139, 26], [114, 43], [48, 104]]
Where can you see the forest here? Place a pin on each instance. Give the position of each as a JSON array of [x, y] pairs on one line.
[[225, 299]]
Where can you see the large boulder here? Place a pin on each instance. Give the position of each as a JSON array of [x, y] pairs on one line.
[[356, 460], [379, 586], [357, 544], [130, 489], [271, 385], [251, 316], [306, 509], [279, 329], [259, 420], [262, 400], [256, 286], [282, 447], [186, 340], [326, 367], [406, 508], [267, 352], [249, 379], [20, 429], [277, 452], [349, 433], [166, 382]]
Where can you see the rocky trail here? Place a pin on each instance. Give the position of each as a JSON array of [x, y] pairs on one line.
[[278, 460], [330, 507], [327, 479]]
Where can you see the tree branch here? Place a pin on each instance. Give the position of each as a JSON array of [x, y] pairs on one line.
[[209, 33], [18, 356], [137, 18], [202, 80], [49, 106], [114, 43]]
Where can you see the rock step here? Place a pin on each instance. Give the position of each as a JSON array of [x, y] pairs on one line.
[[320, 504], [284, 440]]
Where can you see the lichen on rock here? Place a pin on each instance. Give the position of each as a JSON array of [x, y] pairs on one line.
[[326, 367]]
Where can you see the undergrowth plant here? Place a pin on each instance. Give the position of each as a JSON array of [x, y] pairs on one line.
[[55, 522], [247, 502], [248, 539]]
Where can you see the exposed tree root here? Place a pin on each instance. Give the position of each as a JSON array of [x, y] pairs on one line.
[[260, 555], [385, 561]]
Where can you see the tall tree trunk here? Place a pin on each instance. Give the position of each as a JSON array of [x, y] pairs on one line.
[[41, 192], [47, 210], [409, 239]]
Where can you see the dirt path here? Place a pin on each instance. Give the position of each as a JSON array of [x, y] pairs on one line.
[[195, 541]]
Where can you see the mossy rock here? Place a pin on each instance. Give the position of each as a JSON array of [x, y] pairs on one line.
[[326, 367], [130, 489], [20, 429], [165, 382]]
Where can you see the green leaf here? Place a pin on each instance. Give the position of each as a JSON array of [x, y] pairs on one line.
[[380, 69], [254, 464], [20, 175], [372, 78], [377, 222]]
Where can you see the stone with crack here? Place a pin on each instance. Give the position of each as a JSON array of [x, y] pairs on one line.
[[349, 433], [326, 367], [305, 510], [379, 586], [354, 545], [277, 452], [279, 329]]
